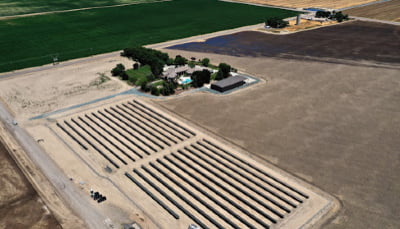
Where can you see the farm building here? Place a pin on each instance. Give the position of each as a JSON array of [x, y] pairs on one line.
[[172, 72], [228, 83]]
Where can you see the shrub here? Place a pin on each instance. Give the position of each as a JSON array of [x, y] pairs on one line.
[[118, 70], [276, 22], [155, 91], [205, 62], [135, 66], [124, 75]]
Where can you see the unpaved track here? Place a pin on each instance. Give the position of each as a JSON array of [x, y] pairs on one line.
[[59, 180]]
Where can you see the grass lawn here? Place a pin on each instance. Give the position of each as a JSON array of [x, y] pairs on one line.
[[134, 75], [33, 41], [17, 7]]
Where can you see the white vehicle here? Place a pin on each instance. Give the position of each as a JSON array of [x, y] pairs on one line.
[[14, 122]]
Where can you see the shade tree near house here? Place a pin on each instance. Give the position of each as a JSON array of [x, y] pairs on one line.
[[200, 78], [223, 72]]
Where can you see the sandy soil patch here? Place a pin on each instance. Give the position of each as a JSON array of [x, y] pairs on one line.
[[43, 91]]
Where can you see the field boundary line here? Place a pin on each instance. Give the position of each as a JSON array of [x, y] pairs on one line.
[[82, 9]]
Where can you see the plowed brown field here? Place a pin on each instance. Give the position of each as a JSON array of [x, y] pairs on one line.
[[310, 3], [383, 11], [20, 206]]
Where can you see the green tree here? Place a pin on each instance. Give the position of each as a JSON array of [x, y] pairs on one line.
[[219, 76], [200, 78], [205, 62], [225, 70], [340, 17], [191, 64], [180, 60], [170, 61], [322, 14], [157, 67], [168, 88], [118, 70], [276, 22], [143, 83], [155, 91]]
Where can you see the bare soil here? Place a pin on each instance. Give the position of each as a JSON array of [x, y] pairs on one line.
[[20, 206], [61, 86], [304, 25], [383, 11], [352, 41], [334, 125]]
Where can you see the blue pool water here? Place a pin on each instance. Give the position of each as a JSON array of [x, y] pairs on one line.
[[187, 81], [312, 9]]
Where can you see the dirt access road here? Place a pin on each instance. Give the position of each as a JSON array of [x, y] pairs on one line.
[[59, 180]]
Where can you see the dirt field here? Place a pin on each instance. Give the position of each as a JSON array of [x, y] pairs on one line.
[[334, 125], [20, 206], [358, 42], [383, 11], [62, 86], [310, 3], [166, 167]]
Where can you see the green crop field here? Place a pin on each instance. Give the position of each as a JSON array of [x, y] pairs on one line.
[[33, 41], [18, 7]]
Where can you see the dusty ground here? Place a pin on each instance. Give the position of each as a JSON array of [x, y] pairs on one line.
[[122, 155], [310, 3], [354, 42], [383, 11], [20, 206], [304, 24], [62, 86], [334, 125]]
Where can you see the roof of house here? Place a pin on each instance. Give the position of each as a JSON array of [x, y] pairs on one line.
[[229, 81], [197, 68]]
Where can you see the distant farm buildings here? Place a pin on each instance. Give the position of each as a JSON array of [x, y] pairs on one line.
[[228, 83]]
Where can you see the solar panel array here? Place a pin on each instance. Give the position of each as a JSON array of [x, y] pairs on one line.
[[184, 174]]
